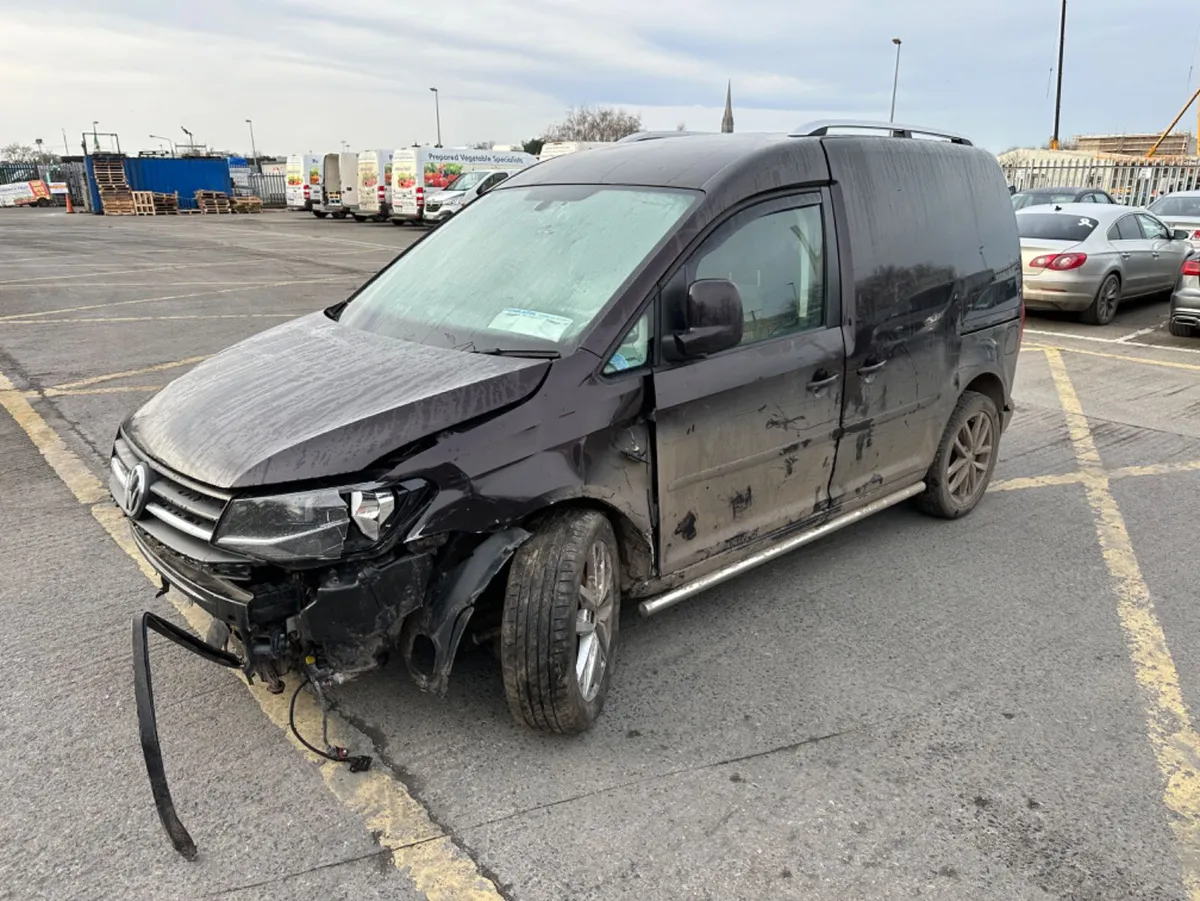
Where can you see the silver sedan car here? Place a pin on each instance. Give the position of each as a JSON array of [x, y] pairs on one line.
[[1087, 257], [1180, 210]]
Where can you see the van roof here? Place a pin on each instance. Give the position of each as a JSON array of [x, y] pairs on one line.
[[699, 161]]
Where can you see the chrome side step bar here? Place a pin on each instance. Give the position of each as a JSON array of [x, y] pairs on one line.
[[687, 590]]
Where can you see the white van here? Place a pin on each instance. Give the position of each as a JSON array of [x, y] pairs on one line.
[[303, 174], [374, 186], [418, 171], [441, 205], [339, 182], [562, 148]]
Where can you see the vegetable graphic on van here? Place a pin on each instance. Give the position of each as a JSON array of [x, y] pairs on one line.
[[314, 175], [441, 175]]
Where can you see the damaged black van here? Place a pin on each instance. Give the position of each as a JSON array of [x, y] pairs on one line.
[[663, 363]]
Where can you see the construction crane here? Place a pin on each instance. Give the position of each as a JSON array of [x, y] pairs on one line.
[[1174, 122]]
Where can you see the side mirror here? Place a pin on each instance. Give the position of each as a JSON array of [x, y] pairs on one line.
[[1180, 234], [1012, 189], [714, 318]]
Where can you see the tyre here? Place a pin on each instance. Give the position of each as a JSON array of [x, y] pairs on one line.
[[965, 459], [1104, 306], [358, 218], [43, 201], [399, 222], [1179, 330], [558, 637], [339, 215], [320, 214]]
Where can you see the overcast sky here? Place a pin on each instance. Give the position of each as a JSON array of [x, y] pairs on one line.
[[312, 73]]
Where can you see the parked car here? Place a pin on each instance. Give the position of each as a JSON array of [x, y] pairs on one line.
[[1087, 258], [1184, 318], [420, 171], [1050, 196], [1180, 210], [339, 180], [441, 205], [374, 186], [658, 367]]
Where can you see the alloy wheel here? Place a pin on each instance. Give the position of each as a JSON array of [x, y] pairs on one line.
[[594, 620], [970, 457]]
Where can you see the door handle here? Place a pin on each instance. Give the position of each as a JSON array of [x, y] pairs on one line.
[[1124, 255], [817, 384], [872, 368]]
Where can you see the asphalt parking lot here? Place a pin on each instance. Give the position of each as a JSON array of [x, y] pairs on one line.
[[998, 707]]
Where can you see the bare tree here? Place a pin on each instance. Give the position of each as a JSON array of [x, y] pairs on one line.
[[587, 123], [23, 153], [682, 126], [533, 146]]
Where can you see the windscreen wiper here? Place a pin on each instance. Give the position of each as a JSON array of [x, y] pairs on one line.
[[532, 353]]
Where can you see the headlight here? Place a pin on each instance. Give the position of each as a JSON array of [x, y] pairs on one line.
[[453, 198], [315, 525]]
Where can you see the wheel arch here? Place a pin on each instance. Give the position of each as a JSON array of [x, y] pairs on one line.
[[989, 385], [635, 545]]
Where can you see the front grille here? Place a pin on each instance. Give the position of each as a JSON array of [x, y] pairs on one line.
[[179, 504]]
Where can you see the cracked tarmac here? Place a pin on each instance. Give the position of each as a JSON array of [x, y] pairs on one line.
[[955, 710]]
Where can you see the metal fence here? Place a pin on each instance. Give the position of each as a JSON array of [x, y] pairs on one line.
[[71, 173], [271, 188], [1136, 183]]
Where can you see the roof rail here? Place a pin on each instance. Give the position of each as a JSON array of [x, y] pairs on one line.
[[655, 135], [896, 130]]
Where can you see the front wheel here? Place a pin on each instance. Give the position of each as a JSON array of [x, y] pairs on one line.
[[1104, 307], [558, 638], [320, 214], [965, 459]]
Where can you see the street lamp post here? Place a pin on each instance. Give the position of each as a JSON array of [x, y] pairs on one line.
[[95, 137], [1062, 40], [191, 138], [168, 140], [437, 109], [38, 141], [895, 80], [253, 148]]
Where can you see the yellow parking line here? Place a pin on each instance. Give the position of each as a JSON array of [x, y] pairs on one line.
[[438, 868], [97, 379], [103, 389], [1174, 741], [1075, 478], [1147, 361], [77, 477]]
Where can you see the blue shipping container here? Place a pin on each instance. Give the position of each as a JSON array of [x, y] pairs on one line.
[[185, 176]]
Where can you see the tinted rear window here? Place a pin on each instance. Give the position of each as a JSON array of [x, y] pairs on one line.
[[1055, 226]]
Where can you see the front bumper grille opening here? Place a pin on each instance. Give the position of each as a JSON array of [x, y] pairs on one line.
[[180, 504]]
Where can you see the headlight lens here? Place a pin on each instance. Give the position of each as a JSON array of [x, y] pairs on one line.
[[308, 525], [315, 525]]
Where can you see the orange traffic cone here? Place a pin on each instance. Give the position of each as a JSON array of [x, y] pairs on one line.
[[70, 206]]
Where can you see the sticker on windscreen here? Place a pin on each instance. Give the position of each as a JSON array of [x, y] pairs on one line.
[[1085, 222], [531, 322]]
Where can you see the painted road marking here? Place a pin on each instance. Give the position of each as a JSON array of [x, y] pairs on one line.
[[103, 389], [154, 318], [1126, 358], [437, 866], [255, 262], [97, 379], [1077, 478], [1174, 740], [21, 317]]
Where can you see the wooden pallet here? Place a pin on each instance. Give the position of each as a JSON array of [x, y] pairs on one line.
[[109, 173], [166, 204], [246, 204], [213, 202], [143, 203], [117, 201]]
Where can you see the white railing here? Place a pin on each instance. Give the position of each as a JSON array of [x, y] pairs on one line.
[[1136, 182]]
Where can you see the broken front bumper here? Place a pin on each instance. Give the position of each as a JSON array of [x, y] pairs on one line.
[[346, 624]]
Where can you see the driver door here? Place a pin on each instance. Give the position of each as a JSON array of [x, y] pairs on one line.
[[745, 439], [1166, 255]]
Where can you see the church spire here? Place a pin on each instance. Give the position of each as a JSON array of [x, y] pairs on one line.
[[727, 119]]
